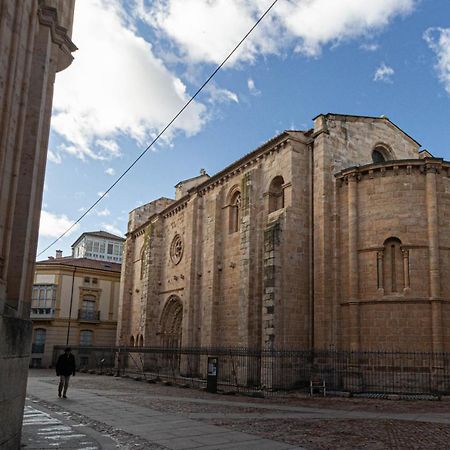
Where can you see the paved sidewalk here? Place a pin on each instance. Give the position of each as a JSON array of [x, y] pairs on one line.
[[170, 431], [142, 416], [45, 429]]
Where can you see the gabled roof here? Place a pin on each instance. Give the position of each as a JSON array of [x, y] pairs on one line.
[[191, 179], [287, 134], [85, 263], [100, 234], [380, 118]]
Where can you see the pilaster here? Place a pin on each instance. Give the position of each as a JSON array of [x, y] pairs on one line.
[[353, 272], [431, 169]]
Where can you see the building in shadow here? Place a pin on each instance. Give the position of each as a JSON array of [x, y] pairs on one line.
[[35, 44]]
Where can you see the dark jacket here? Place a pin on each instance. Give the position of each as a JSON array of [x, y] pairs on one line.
[[65, 365]]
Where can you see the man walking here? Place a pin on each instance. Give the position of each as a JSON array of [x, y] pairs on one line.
[[65, 366]]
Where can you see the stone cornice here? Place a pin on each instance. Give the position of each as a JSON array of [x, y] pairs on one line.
[[48, 16], [268, 148], [176, 207], [401, 299], [426, 165], [63, 269]]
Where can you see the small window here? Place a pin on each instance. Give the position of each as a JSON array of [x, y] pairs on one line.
[[380, 154], [276, 194], [377, 157], [87, 280], [110, 249], [393, 266], [235, 212], [94, 280]]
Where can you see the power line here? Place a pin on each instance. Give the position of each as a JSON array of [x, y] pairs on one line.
[[162, 131]]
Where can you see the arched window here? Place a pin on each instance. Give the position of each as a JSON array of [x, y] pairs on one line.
[[86, 338], [393, 266], [143, 261], [141, 341], [132, 341], [235, 212], [380, 154], [276, 194]]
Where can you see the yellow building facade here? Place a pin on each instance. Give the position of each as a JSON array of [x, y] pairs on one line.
[[74, 302]]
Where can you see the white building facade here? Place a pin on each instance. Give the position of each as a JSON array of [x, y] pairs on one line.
[[98, 245]]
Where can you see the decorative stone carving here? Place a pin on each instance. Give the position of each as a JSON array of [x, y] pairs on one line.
[[176, 249]]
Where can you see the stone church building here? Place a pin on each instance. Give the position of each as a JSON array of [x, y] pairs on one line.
[[336, 237]]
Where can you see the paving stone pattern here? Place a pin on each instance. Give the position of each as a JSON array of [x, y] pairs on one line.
[[158, 416]]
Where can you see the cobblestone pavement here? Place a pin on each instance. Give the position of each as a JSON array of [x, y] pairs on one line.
[[312, 423], [347, 434]]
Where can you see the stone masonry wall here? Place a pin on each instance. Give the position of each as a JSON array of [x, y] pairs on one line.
[[33, 47], [412, 315], [341, 142]]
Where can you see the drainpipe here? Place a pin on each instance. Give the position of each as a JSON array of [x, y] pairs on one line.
[[70, 308]]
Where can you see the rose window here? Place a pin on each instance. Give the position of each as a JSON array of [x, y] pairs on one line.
[[176, 249]]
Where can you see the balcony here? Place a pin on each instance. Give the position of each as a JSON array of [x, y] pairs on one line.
[[42, 313], [37, 348], [85, 315]]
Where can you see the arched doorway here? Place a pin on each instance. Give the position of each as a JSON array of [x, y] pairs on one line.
[[170, 323]]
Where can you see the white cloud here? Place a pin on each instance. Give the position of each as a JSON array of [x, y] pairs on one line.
[[110, 171], [320, 22], [103, 212], [369, 47], [207, 30], [221, 95], [112, 229], [438, 39], [115, 86], [384, 73], [109, 146], [53, 225], [54, 157], [252, 88]]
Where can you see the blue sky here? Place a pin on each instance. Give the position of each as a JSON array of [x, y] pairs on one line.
[[138, 61]]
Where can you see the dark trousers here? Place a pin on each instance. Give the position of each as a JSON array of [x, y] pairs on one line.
[[63, 384]]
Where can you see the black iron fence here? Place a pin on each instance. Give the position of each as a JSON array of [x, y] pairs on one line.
[[264, 372]]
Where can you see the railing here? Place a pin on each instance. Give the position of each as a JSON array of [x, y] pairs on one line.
[[37, 348], [264, 372], [88, 316], [42, 313]]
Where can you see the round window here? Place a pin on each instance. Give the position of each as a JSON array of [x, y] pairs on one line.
[[176, 249]]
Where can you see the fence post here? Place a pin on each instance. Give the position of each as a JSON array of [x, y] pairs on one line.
[[119, 360]]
